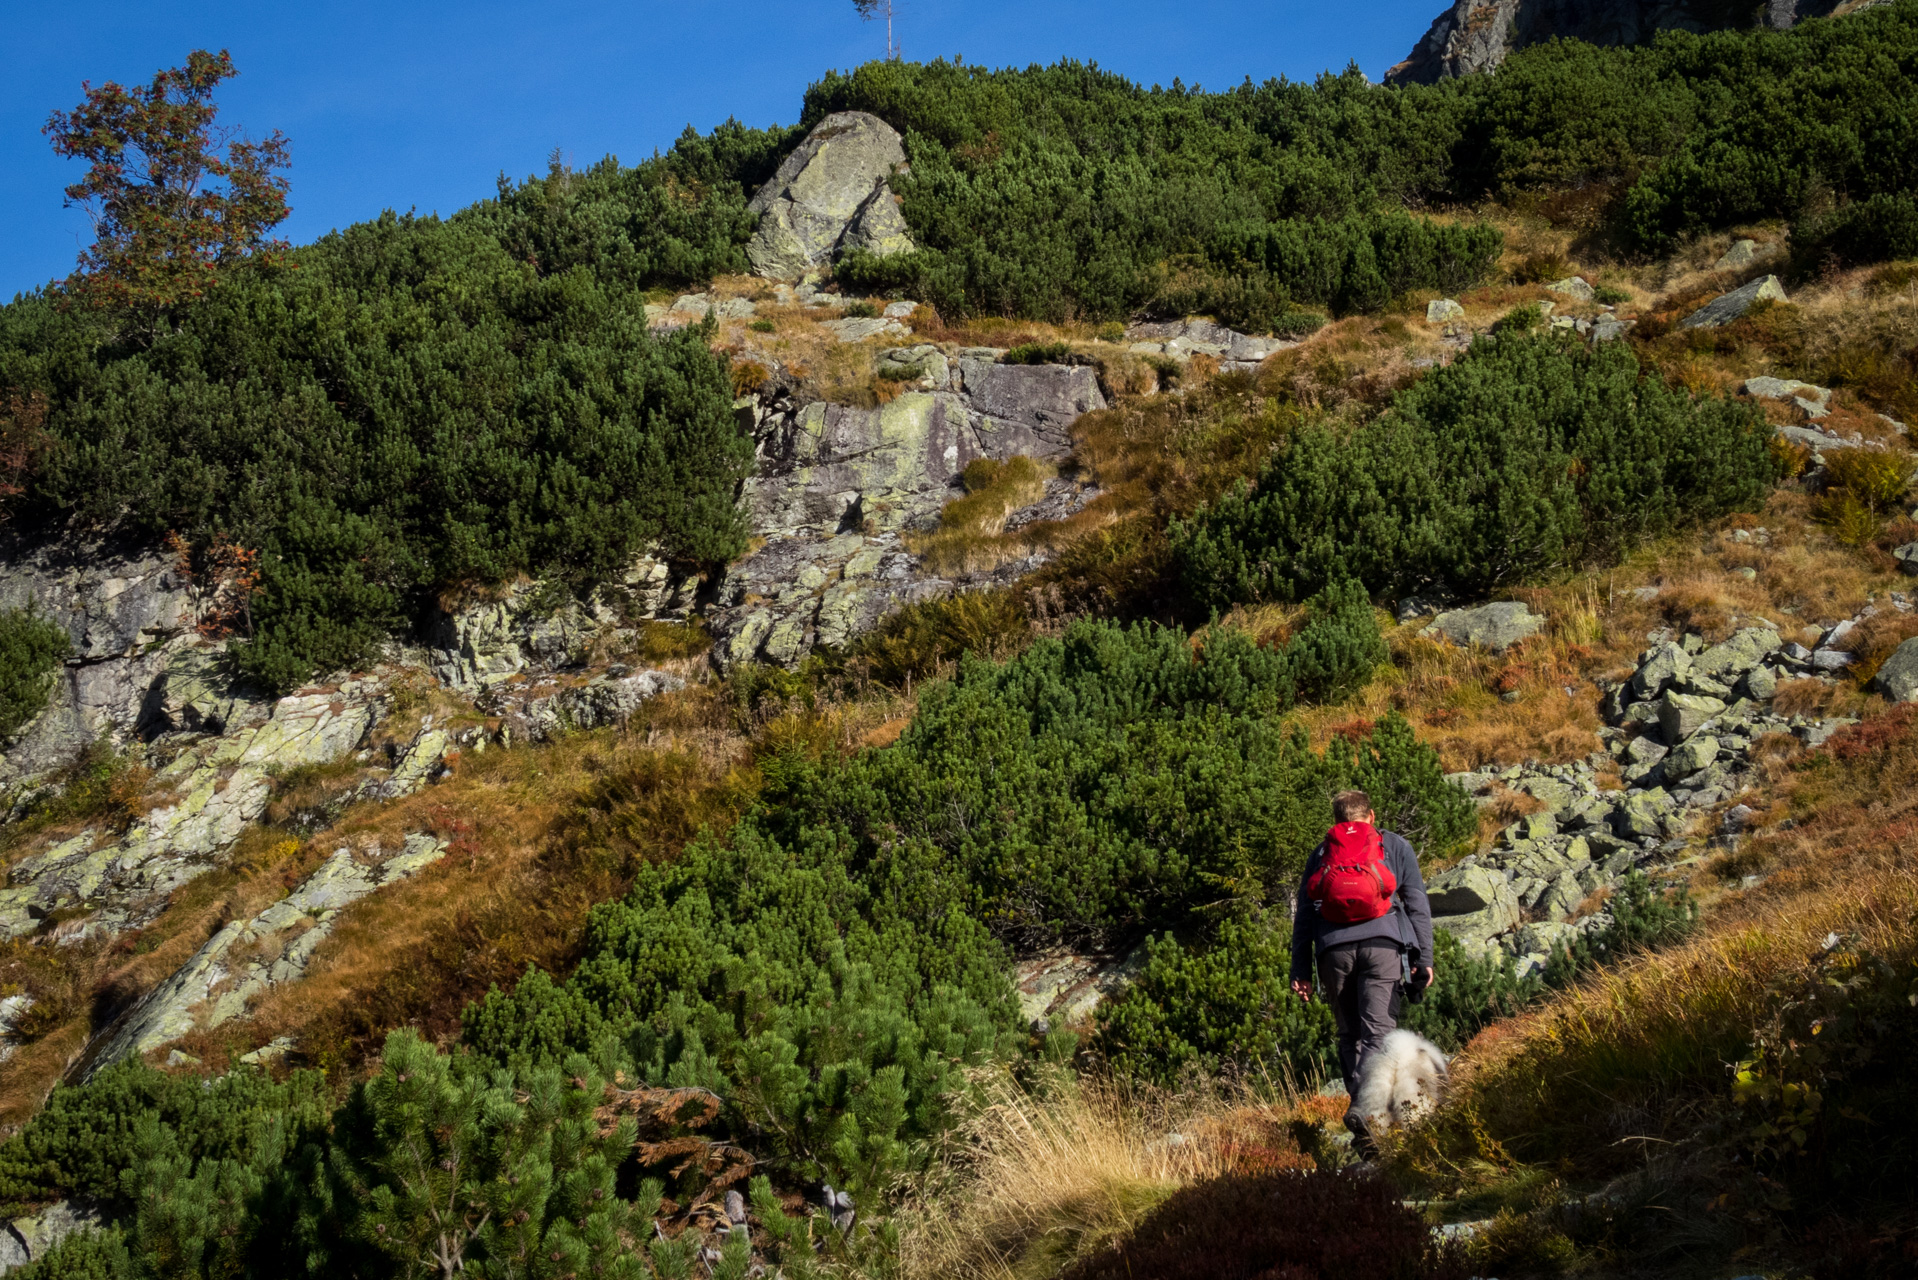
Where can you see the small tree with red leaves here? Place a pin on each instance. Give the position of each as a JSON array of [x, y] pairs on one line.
[[23, 417], [169, 209]]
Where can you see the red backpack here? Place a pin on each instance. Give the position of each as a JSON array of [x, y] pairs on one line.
[[1352, 884]]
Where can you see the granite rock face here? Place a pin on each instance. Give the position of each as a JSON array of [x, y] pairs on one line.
[[836, 486], [829, 196], [121, 610], [206, 797], [245, 958]]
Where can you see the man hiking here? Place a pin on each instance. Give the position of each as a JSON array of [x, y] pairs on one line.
[[1362, 908]]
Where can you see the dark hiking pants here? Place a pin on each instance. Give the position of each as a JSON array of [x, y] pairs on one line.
[[1361, 983]]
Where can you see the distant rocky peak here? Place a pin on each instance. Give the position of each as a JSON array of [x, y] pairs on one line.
[[1475, 35]]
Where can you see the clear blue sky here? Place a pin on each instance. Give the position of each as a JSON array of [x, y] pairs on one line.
[[420, 104]]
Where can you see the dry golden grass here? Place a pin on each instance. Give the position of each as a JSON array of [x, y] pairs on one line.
[[1037, 1177], [971, 536]]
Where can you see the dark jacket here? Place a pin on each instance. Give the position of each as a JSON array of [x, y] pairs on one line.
[[1408, 923]]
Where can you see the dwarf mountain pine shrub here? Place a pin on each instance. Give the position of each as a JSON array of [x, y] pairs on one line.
[[1527, 453], [31, 648], [1229, 1006], [832, 965]]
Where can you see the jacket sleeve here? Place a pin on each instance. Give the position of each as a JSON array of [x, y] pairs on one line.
[[1305, 923], [1412, 896]]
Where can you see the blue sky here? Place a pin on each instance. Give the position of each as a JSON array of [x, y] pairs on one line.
[[421, 105]]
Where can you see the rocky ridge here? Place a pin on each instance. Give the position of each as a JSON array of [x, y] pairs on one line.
[[1476, 35]]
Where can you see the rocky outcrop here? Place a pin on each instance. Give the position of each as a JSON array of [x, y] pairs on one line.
[[1064, 989], [121, 611], [205, 797], [246, 957], [542, 625], [836, 486], [1476, 35], [538, 710], [830, 196]]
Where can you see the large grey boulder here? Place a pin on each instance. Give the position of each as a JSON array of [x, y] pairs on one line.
[[1464, 890], [831, 195], [1045, 398], [1492, 626], [1666, 663], [1732, 658], [1728, 307], [1898, 678], [1680, 715]]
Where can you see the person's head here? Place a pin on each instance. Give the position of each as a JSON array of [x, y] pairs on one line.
[[1352, 806]]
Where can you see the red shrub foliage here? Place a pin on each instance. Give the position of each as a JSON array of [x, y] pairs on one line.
[[1321, 1225], [1854, 742]]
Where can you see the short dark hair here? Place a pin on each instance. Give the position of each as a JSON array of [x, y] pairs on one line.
[[1350, 806]]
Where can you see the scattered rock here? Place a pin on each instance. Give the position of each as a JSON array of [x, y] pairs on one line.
[[1575, 287], [1897, 679], [1183, 339], [829, 196], [1907, 557], [1814, 400], [862, 328], [1443, 311], [1742, 254], [1496, 626], [1730, 306]]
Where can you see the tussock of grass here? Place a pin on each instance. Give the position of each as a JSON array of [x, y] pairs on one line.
[[1038, 1177], [971, 536]]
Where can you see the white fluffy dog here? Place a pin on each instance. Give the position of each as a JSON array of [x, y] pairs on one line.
[[1402, 1081]]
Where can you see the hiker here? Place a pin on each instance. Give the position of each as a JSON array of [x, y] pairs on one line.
[[1362, 908]]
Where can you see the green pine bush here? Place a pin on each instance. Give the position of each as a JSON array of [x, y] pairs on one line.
[[1527, 453], [1228, 1006], [407, 404], [832, 965], [31, 648]]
